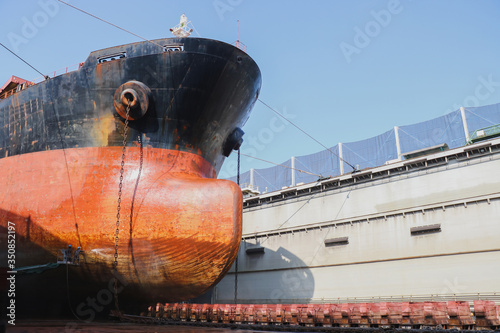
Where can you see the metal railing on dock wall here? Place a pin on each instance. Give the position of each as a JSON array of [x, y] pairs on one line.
[[469, 297], [415, 298]]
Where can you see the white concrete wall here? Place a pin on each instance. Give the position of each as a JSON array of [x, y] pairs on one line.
[[382, 258], [413, 189], [445, 276]]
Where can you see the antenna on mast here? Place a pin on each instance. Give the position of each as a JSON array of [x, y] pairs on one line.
[[238, 43], [182, 29]]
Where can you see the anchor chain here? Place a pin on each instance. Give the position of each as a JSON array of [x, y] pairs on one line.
[[118, 208]]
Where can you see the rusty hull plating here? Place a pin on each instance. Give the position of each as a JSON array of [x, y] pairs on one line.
[[60, 154]]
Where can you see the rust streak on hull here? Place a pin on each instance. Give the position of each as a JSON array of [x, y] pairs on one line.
[[183, 236]]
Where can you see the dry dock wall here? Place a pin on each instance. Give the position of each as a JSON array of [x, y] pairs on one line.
[[423, 230]]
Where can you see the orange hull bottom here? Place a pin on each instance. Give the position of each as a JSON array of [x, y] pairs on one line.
[[179, 229]]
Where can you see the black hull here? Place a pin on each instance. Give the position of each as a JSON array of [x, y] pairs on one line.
[[200, 93]]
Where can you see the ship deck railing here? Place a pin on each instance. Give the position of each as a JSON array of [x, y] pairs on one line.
[[58, 72], [27, 84]]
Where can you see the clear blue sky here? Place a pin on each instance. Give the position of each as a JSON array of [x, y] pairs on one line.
[[342, 70]]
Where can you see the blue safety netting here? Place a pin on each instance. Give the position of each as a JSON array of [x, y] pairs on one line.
[[447, 129], [481, 117], [324, 163], [375, 151], [371, 152]]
